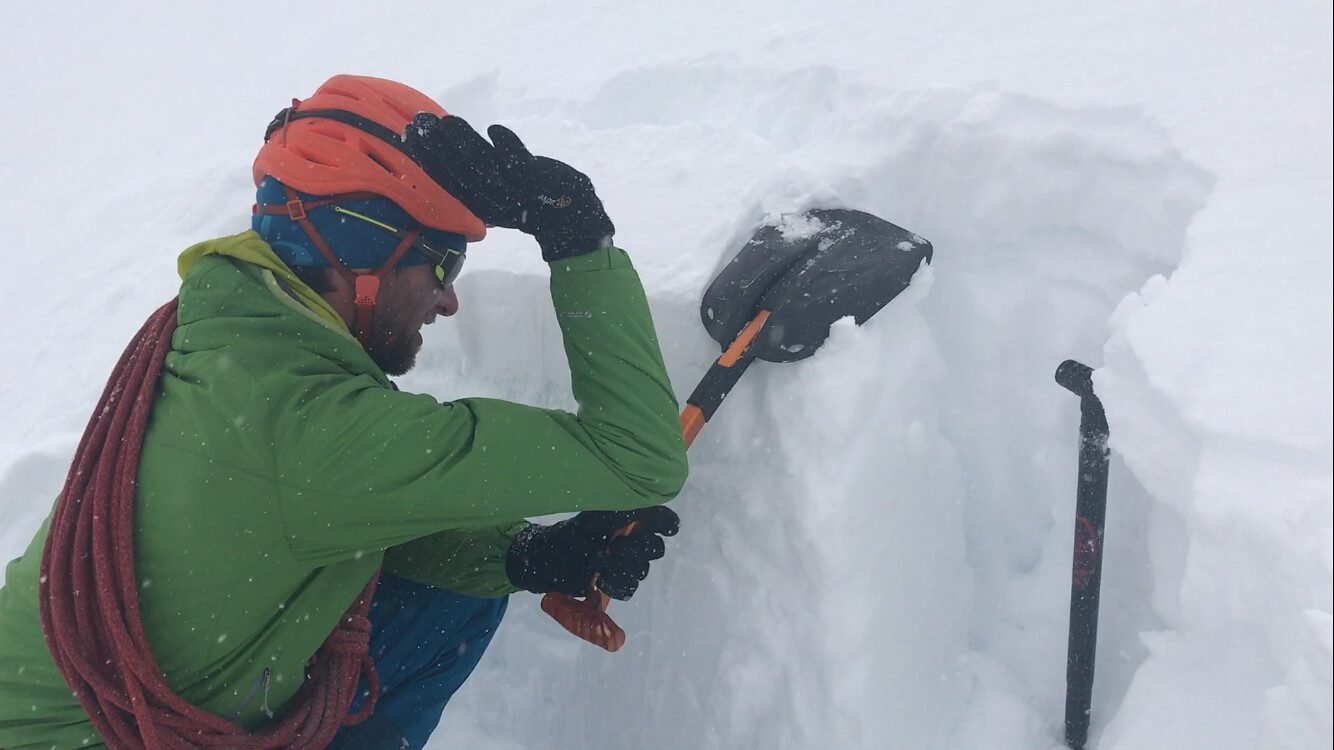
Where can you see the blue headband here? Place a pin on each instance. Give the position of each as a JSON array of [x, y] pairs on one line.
[[358, 243]]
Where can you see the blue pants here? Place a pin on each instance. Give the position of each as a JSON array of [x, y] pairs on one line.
[[425, 642]]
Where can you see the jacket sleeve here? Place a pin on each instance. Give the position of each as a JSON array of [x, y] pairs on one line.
[[362, 467], [469, 560]]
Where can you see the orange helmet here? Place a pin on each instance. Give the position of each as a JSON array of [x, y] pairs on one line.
[[347, 138]]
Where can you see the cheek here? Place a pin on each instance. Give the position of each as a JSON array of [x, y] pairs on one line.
[[430, 296], [414, 299]]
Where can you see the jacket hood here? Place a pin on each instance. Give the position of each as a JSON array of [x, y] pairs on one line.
[[249, 247]]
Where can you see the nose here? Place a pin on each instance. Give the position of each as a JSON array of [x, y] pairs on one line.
[[447, 301]]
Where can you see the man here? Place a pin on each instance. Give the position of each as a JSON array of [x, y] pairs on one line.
[[281, 468]]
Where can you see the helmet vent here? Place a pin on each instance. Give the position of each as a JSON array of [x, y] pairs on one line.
[[379, 161], [312, 156], [329, 130], [406, 115], [338, 91]]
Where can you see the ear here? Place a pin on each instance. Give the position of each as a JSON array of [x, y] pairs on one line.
[[321, 280]]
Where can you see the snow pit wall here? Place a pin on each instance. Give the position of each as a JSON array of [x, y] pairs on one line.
[[877, 540]]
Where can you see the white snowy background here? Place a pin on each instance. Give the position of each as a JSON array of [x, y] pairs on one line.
[[876, 544]]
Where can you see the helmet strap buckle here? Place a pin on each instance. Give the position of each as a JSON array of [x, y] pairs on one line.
[[367, 288]]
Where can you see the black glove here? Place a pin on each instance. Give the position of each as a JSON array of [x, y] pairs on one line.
[[564, 556], [505, 186]]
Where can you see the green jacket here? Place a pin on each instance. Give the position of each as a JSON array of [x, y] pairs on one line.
[[281, 468]]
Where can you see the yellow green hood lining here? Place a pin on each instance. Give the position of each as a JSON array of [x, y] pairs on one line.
[[249, 247]]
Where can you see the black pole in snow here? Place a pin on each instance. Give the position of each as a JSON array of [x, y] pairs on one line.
[[1086, 583]]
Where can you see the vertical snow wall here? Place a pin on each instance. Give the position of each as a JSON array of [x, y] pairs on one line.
[[876, 541]]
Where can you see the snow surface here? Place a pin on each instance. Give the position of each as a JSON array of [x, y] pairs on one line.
[[876, 551]]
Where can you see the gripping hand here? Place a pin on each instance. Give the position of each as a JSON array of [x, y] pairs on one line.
[[566, 556]]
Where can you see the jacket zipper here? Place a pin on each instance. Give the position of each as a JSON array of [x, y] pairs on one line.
[[262, 683]]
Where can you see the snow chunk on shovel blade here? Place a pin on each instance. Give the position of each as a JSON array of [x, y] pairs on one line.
[[853, 264]]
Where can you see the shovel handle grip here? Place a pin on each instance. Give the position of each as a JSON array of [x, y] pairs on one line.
[[587, 618], [594, 592]]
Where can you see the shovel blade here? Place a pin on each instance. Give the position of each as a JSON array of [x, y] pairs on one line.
[[808, 271]]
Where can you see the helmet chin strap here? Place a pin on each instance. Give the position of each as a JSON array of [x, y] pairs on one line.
[[365, 286]]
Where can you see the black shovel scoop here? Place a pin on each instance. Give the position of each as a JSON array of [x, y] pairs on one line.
[[775, 300], [778, 297]]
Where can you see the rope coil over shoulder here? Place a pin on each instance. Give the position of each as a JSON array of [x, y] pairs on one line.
[[90, 605]]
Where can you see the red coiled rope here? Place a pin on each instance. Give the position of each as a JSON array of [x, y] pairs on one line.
[[90, 604]]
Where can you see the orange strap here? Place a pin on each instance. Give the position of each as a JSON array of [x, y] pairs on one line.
[[367, 286]]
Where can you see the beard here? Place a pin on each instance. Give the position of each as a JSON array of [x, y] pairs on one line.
[[393, 345]]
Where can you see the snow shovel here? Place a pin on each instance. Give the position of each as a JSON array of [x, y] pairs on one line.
[[775, 301]]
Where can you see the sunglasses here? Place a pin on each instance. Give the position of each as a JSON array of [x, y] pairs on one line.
[[448, 262]]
